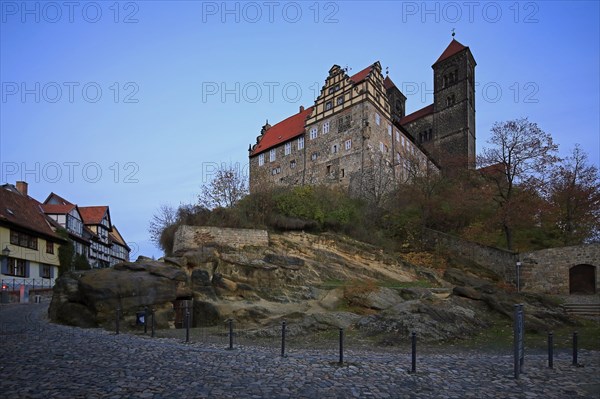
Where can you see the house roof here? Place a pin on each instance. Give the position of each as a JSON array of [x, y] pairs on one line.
[[283, 131], [388, 83], [417, 114], [116, 236], [362, 75], [453, 48], [25, 212], [57, 209], [56, 200], [93, 214]]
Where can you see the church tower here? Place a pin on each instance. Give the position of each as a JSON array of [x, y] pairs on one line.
[[454, 107]]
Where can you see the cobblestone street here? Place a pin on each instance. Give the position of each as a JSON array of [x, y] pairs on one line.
[[44, 360]]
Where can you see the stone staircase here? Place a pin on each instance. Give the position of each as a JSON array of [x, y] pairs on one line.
[[584, 305]]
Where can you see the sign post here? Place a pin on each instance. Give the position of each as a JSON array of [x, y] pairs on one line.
[[519, 338]]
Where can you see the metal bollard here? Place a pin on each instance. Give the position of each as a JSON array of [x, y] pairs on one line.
[[117, 314], [187, 325], [413, 367], [575, 363], [341, 346], [153, 323], [230, 334], [550, 350], [145, 319], [283, 339]]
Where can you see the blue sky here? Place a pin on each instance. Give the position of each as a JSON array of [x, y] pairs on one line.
[[134, 104]]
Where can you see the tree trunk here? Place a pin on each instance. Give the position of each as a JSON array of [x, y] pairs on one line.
[[508, 236]]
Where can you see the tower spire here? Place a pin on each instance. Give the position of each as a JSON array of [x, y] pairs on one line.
[[453, 33]]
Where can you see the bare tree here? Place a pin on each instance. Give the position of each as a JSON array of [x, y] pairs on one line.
[[225, 190], [574, 195], [518, 160], [164, 217]]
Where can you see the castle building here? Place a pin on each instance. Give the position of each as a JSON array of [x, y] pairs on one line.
[[357, 136]]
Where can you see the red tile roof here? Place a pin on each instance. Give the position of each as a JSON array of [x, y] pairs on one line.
[[23, 211], [56, 209], [92, 214], [362, 75], [453, 48], [417, 114], [283, 131], [387, 83]]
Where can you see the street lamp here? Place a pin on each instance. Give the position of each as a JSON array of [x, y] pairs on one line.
[[518, 276]]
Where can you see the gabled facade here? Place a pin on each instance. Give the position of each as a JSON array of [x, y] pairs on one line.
[[28, 240], [91, 230], [357, 133]]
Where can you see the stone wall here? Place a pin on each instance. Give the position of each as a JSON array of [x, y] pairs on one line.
[[193, 237], [500, 261], [544, 271], [548, 270]]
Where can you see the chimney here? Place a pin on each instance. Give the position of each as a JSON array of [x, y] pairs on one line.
[[22, 187], [301, 108]]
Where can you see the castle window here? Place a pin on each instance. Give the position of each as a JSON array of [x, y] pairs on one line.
[[389, 130], [334, 149], [381, 146], [261, 159], [328, 170], [398, 157], [325, 127], [328, 105], [450, 100], [300, 143], [342, 172], [292, 164], [288, 148], [314, 156], [340, 100], [402, 141], [344, 123], [272, 155], [377, 119], [445, 83], [348, 144], [313, 133], [397, 135], [49, 247]]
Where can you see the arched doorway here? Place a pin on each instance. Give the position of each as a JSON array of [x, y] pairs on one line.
[[582, 280]]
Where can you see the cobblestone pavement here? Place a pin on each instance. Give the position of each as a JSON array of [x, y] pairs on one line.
[[42, 360]]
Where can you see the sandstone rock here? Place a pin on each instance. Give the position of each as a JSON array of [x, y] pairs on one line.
[[415, 293], [333, 299], [288, 262], [221, 282], [461, 278], [467, 292], [75, 314], [201, 256], [381, 299], [200, 278]]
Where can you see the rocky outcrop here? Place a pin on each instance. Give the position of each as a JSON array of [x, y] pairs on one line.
[[315, 282]]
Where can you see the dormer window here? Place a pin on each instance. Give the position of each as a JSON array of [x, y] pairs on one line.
[[340, 100], [328, 105]]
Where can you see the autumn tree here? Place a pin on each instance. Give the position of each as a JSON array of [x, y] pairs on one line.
[[574, 196], [517, 163], [225, 189]]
